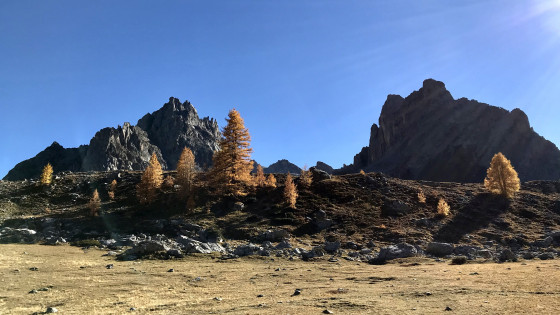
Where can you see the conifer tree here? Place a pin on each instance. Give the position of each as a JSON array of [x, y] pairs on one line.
[[290, 192], [112, 189], [94, 204], [501, 177], [260, 180], [152, 178], [443, 208], [232, 167], [271, 181], [186, 170], [305, 177], [46, 175]]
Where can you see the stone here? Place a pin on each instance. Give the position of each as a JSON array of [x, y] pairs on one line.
[[238, 206], [21, 235], [401, 250], [439, 249], [190, 245], [324, 167], [331, 247], [283, 245], [507, 255], [319, 175], [395, 208], [147, 248], [274, 236], [327, 312], [431, 136], [484, 253], [466, 250], [51, 310], [175, 253], [247, 250], [546, 256], [296, 292], [109, 266], [546, 242]]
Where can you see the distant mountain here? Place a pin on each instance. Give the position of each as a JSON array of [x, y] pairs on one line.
[[165, 132], [431, 136], [282, 166], [324, 167]]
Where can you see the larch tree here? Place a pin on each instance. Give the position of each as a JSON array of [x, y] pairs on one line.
[[46, 175], [271, 181], [112, 189], [290, 192], [152, 178], [94, 204], [501, 177], [305, 177], [232, 165], [260, 180], [186, 171]]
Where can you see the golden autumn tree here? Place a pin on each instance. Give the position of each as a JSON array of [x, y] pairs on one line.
[[152, 178], [94, 204], [443, 208], [260, 180], [112, 189], [271, 181], [305, 177], [186, 170], [501, 177], [46, 175], [232, 165], [290, 192]]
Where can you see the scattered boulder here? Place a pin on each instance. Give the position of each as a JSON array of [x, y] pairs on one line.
[[147, 248], [394, 208], [274, 236], [545, 242], [283, 245], [546, 256], [22, 235], [318, 174], [440, 249], [247, 250], [507, 255], [401, 250], [332, 247], [190, 245]]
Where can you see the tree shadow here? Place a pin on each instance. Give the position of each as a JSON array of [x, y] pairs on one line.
[[477, 214]]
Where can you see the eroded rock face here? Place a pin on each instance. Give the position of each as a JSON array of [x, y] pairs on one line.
[[431, 136], [123, 148], [176, 125], [164, 132]]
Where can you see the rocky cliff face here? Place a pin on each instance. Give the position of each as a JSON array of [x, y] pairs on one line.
[[176, 125], [164, 132], [431, 136]]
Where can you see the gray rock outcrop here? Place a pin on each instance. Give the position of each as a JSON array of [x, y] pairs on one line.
[[164, 132], [431, 136]]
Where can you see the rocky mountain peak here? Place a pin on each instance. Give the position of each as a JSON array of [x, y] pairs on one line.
[[430, 136], [164, 132]]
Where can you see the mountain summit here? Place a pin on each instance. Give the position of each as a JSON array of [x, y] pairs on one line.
[[430, 136], [164, 132]]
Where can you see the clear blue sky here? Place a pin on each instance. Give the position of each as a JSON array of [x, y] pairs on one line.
[[308, 77]]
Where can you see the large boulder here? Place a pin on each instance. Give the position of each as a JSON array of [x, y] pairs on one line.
[[401, 250], [190, 245], [440, 249], [21, 235]]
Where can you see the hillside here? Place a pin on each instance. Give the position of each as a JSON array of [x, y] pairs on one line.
[[359, 211]]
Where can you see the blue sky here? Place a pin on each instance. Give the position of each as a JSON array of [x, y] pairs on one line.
[[308, 77]]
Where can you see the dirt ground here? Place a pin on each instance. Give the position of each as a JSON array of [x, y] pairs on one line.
[[77, 281]]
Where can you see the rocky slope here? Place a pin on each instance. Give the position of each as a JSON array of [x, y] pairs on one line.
[[367, 217], [429, 135], [165, 132]]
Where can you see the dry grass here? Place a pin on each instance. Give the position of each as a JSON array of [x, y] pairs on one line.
[[81, 284]]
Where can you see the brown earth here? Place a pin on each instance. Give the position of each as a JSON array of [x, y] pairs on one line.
[[77, 281]]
